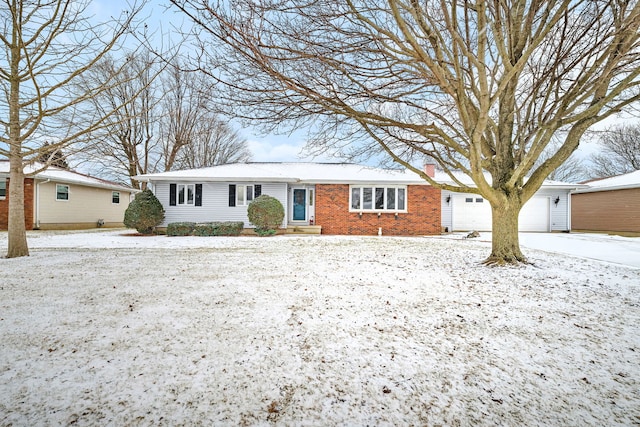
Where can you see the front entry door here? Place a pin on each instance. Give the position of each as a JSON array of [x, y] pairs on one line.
[[299, 204]]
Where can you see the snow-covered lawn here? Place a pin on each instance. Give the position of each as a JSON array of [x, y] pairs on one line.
[[100, 328]]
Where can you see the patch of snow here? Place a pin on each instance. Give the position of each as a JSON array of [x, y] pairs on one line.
[[103, 328], [627, 180]]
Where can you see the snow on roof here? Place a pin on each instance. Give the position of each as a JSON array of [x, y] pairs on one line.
[[619, 182], [292, 172], [316, 173], [65, 176]]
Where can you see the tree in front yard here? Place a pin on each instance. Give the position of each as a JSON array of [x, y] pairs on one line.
[[145, 213], [483, 87], [266, 213], [45, 48]]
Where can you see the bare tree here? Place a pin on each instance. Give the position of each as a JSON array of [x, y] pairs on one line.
[[571, 170], [619, 151], [129, 143], [192, 133], [169, 122], [48, 45], [213, 143], [490, 81]]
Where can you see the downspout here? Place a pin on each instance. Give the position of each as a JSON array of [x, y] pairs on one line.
[[37, 218], [569, 210]]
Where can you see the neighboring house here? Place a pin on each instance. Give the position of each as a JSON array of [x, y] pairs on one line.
[[61, 199], [608, 205], [548, 210], [331, 198]]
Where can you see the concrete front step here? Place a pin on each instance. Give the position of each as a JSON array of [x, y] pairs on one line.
[[304, 229]]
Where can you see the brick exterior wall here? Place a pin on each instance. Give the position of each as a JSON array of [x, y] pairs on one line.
[[616, 210], [28, 206], [422, 218]]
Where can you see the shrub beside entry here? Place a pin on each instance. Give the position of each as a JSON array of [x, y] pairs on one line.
[[144, 213], [266, 214]]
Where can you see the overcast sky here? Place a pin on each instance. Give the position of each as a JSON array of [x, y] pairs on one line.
[[160, 20], [270, 148]]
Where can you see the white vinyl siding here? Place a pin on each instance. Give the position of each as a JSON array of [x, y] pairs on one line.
[[215, 203]]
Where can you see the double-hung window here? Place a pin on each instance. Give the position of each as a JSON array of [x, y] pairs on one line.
[[115, 197], [185, 194], [3, 189], [378, 198], [243, 194], [62, 192]]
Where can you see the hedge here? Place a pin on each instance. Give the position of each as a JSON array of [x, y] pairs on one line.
[[228, 228]]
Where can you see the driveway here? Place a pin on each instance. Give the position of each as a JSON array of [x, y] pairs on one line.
[[602, 247]]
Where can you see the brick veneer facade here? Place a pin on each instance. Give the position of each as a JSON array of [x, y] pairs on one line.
[[422, 216], [28, 206]]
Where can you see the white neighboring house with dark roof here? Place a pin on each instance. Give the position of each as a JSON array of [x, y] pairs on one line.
[[62, 199], [548, 210], [608, 205]]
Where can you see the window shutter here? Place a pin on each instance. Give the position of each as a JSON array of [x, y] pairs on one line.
[[198, 194], [257, 190], [232, 194], [172, 194]]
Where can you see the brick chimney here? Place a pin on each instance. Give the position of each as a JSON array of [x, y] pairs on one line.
[[430, 169]]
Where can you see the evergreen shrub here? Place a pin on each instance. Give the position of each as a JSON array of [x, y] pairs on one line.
[[266, 214], [180, 228], [228, 228], [144, 213]]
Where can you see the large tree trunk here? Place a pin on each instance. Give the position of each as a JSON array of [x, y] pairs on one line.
[[505, 245], [17, 245]]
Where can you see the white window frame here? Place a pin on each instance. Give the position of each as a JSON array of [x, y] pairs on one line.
[[385, 205], [245, 193], [185, 197], [115, 194], [3, 182], [58, 192]]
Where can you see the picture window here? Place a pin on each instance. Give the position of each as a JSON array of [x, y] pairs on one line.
[[391, 198]]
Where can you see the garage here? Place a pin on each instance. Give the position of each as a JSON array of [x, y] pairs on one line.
[[472, 212]]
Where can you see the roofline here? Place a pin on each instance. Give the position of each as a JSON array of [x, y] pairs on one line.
[[612, 188], [143, 178]]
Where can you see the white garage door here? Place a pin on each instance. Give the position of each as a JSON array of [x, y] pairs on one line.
[[534, 215], [472, 212]]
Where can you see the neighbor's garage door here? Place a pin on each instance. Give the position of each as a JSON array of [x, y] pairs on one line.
[[472, 212]]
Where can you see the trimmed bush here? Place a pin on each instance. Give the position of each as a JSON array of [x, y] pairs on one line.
[[180, 228], [228, 228], [145, 213], [266, 214]]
